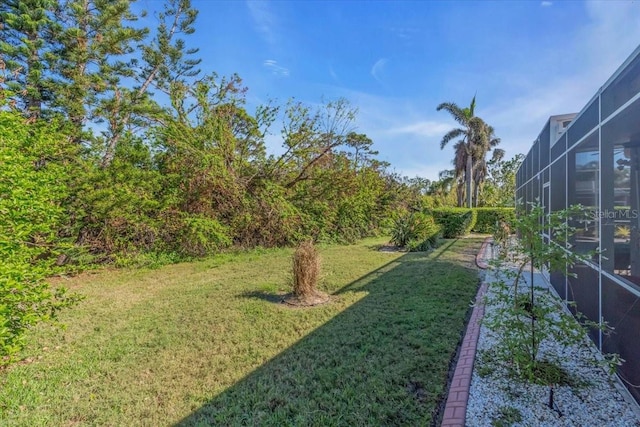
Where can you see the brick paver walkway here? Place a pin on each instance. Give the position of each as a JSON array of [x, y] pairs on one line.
[[456, 407]]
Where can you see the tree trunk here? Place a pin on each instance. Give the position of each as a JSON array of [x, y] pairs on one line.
[[476, 191], [468, 180]]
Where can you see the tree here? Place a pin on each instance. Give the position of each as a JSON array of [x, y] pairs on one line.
[[164, 60], [361, 152], [25, 35], [90, 59], [440, 192], [472, 130], [459, 170], [311, 136], [500, 186], [179, 171], [486, 142], [527, 314]]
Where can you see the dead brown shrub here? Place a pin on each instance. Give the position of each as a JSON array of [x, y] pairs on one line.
[[306, 269], [306, 272]]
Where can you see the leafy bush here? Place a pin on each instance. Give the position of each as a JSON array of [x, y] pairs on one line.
[[202, 236], [416, 231], [33, 187], [267, 219], [488, 218], [117, 209], [455, 222]]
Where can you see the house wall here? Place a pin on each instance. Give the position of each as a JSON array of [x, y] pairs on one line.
[[595, 162]]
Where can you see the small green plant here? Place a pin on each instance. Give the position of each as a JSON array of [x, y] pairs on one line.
[[507, 416], [415, 231], [483, 364], [525, 317]]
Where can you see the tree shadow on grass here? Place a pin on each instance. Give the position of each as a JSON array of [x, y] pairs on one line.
[[265, 296], [447, 244], [382, 361]]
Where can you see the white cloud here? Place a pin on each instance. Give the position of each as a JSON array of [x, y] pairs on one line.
[[277, 70], [378, 68], [424, 128], [546, 4], [406, 135], [610, 37], [264, 20]]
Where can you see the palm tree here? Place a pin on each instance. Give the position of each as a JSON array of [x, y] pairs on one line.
[[471, 130], [486, 142], [459, 169]]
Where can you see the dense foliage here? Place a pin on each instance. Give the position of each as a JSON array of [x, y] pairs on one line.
[[152, 178], [499, 188], [455, 222], [490, 219], [495, 186], [33, 189]]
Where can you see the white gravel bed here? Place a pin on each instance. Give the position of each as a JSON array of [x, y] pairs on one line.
[[495, 399]]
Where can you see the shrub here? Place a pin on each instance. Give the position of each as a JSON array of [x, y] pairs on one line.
[[455, 222], [416, 231], [429, 234], [33, 186], [488, 218], [306, 270], [202, 236]]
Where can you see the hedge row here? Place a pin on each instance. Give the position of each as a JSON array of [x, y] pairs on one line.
[[458, 222], [455, 222], [489, 217]]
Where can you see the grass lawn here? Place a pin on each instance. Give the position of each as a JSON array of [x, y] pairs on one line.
[[204, 343]]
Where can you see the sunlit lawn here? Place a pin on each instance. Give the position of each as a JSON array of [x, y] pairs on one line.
[[207, 343]]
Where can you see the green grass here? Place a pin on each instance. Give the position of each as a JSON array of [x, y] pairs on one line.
[[205, 344]]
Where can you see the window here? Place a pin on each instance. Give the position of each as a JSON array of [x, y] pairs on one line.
[[584, 182], [621, 195]]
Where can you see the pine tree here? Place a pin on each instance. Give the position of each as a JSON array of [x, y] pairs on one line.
[[25, 42], [164, 60], [90, 58]]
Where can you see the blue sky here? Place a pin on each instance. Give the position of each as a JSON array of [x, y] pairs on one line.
[[397, 60]]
